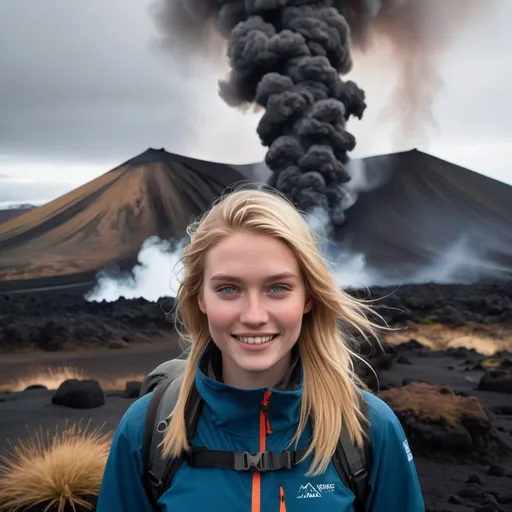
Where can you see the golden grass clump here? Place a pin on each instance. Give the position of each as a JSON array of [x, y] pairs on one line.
[[52, 378], [433, 404], [59, 471], [485, 339]]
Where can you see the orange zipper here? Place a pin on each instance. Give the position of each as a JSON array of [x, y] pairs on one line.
[[265, 429], [282, 501]]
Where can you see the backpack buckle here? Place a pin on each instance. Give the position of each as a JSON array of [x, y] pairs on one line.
[[154, 480], [360, 474], [263, 461], [260, 461]]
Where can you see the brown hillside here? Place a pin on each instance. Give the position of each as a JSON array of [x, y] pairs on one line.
[[107, 219]]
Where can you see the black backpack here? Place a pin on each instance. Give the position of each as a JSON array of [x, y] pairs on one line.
[[352, 464]]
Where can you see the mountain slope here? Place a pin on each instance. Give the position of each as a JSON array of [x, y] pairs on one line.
[[427, 218], [107, 219]]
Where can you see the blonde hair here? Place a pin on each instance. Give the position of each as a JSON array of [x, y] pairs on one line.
[[331, 389]]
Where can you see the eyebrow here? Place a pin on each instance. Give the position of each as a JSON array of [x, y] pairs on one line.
[[275, 277]]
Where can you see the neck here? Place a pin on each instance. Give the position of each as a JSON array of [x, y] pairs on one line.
[[234, 376]]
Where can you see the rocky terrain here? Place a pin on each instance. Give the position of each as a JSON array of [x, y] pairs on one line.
[[63, 320], [445, 369]]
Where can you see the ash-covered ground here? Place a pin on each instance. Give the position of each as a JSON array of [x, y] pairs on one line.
[[446, 371], [56, 320]]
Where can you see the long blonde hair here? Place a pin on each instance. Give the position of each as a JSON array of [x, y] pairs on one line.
[[331, 388]]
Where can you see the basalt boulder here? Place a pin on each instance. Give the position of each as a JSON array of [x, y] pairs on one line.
[[442, 425], [79, 394]]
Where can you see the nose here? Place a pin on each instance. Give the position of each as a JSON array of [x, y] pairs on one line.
[[254, 312]]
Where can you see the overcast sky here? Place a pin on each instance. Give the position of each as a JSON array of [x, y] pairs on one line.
[[84, 87]]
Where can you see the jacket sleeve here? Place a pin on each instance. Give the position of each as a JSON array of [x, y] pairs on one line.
[[394, 482], [121, 488]]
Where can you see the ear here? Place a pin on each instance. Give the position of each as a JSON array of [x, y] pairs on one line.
[[200, 301], [308, 305]]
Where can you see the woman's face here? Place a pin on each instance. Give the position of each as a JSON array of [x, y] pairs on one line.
[[254, 297]]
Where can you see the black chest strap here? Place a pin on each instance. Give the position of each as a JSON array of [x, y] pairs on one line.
[[243, 461]]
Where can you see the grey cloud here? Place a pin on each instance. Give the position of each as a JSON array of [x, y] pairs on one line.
[[82, 80], [35, 191]]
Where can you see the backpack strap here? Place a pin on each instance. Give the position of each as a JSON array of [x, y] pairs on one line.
[[159, 471], [353, 465], [161, 405]]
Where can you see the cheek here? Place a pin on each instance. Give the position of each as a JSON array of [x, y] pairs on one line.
[[220, 313], [288, 313]]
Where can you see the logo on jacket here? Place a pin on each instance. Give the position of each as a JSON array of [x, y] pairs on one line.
[[311, 491], [407, 450]]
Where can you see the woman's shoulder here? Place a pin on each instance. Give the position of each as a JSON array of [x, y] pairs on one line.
[[383, 420], [133, 420]]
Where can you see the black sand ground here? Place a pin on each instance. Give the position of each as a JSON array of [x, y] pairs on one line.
[[484, 310], [440, 481]]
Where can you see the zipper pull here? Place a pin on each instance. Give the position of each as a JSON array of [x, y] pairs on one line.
[[264, 410], [282, 502]]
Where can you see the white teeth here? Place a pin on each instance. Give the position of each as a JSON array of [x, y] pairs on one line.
[[255, 340]]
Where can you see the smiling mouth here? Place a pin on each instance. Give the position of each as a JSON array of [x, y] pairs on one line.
[[255, 340]]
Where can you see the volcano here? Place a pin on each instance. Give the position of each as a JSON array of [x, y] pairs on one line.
[[419, 219], [424, 219], [107, 219]]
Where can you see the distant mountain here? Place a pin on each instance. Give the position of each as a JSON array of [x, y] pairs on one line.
[[107, 219], [418, 218], [9, 212]]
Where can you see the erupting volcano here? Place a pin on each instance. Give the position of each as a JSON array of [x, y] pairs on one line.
[[288, 56]]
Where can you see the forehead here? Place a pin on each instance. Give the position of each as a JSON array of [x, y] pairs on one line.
[[250, 255]]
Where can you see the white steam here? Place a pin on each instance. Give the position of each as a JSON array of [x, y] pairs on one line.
[[158, 272], [156, 276]]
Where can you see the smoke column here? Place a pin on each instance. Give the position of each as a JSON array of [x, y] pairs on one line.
[[287, 56], [418, 33]]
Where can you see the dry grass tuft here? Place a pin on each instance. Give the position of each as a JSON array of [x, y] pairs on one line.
[[433, 404], [485, 339], [52, 378], [119, 383], [58, 471]]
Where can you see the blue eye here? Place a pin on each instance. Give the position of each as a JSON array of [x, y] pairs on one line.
[[227, 289], [282, 288]]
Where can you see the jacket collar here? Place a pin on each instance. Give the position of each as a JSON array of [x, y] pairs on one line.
[[238, 410]]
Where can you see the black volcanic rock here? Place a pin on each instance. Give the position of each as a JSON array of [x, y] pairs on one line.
[[445, 426], [61, 321], [55, 320], [496, 380], [79, 394]]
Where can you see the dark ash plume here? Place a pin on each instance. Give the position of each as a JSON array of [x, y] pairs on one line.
[[287, 56]]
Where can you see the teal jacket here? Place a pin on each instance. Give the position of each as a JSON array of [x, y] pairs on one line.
[[230, 420]]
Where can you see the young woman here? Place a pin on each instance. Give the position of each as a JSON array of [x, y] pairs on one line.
[[267, 325]]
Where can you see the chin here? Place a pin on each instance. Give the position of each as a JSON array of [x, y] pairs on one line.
[[255, 366]]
